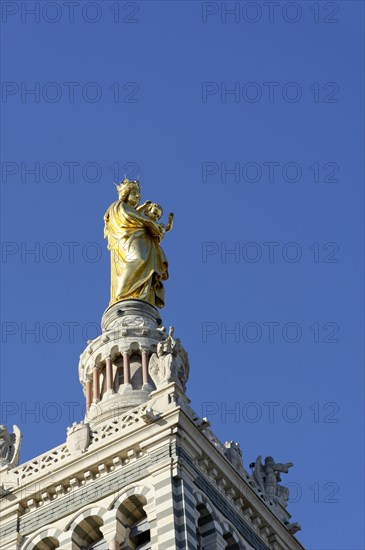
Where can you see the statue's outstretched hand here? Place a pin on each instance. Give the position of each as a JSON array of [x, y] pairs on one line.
[[170, 221]]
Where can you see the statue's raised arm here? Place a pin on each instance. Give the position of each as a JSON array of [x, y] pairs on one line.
[[138, 263]]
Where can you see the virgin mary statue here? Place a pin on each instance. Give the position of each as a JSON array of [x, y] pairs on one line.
[[138, 263]]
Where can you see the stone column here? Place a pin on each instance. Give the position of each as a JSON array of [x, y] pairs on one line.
[[109, 375], [96, 385], [126, 368], [89, 394], [68, 540], [114, 532], [151, 512], [145, 369]]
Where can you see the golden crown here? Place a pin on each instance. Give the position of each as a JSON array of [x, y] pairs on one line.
[[128, 183]]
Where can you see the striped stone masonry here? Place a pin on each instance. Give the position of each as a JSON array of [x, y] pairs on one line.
[[155, 477]]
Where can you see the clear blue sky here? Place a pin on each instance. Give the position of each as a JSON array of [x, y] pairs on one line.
[[145, 90]]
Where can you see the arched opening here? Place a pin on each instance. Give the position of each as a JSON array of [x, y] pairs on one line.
[[47, 543], [88, 534], [205, 529], [231, 543], [134, 519], [136, 371]]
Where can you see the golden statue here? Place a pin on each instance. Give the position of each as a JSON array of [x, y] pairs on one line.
[[138, 263]]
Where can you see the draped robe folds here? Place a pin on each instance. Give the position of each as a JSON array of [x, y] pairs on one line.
[[138, 263]]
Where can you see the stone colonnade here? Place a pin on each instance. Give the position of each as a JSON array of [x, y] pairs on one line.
[[93, 386]]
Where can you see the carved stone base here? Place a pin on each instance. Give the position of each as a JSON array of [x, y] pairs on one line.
[[113, 407], [132, 357], [130, 314]]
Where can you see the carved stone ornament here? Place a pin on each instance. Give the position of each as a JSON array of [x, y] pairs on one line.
[[78, 437], [9, 446], [170, 363], [233, 452], [267, 477]]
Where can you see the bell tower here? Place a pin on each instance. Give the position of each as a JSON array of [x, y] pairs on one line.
[[141, 470]]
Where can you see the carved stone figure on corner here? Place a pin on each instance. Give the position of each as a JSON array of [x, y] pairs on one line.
[[267, 477], [170, 363], [9, 446], [234, 454], [293, 527]]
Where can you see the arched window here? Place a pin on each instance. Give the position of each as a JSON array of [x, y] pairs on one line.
[[232, 544], [205, 530], [134, 518], [88, 534], [47, 543]]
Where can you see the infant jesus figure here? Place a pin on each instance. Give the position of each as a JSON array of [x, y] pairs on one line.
[[153, 211]]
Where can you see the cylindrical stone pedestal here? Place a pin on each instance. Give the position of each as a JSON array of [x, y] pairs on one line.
[[130, 313]]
